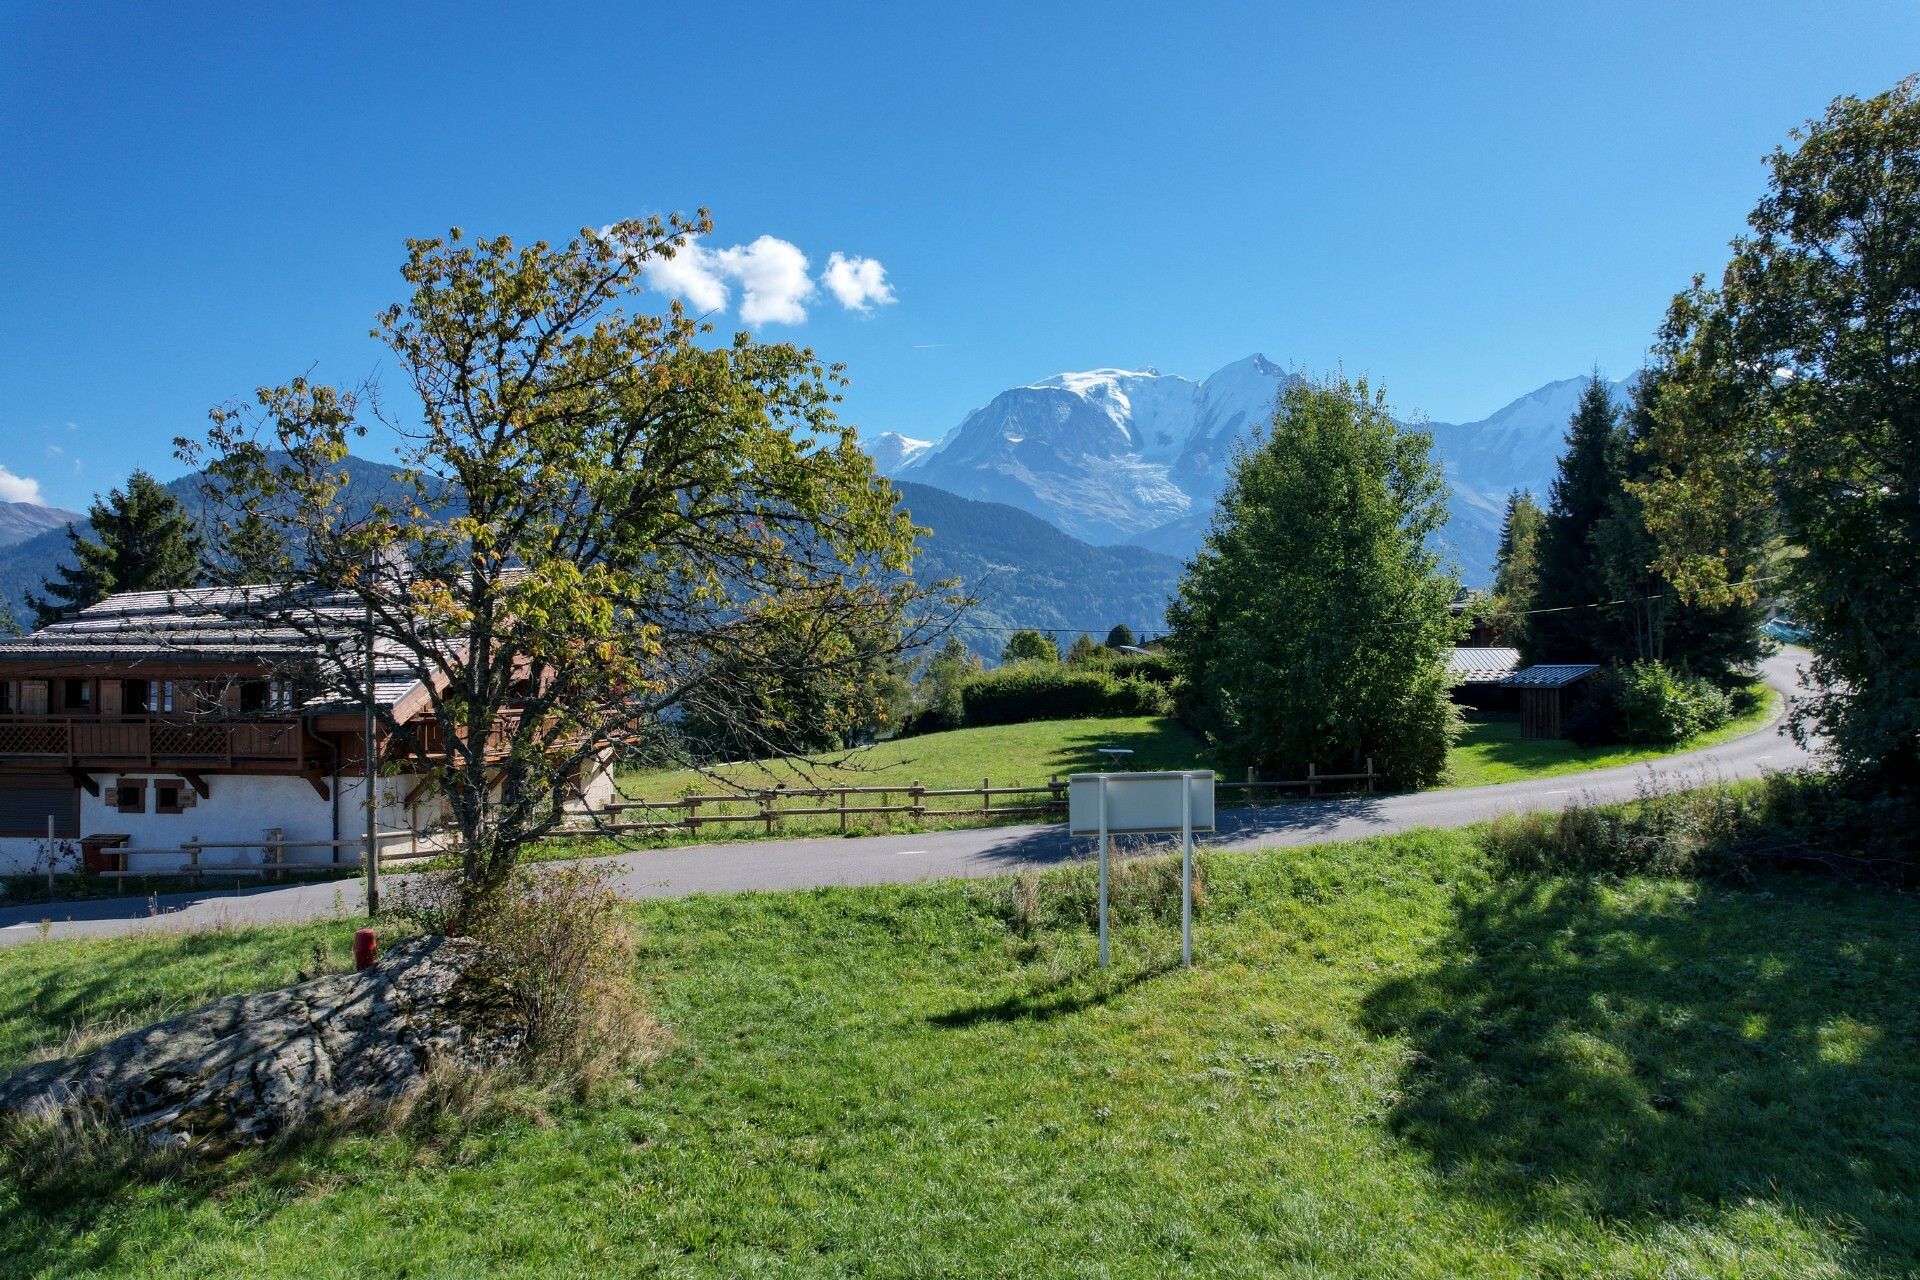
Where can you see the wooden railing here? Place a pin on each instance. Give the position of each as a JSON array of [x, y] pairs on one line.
[[773, 805], [396, 847], [149, 741]]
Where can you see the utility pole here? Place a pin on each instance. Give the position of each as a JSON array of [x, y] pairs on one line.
[[370, 751]]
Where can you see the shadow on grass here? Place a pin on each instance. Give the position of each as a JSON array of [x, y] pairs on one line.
[[1647, 1054], [1055, 999]]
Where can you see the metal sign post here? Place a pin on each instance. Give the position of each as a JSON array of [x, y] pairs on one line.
[[1103, 868], [1104, 805]]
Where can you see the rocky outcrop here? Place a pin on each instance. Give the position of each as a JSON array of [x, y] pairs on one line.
[[249, 1068]]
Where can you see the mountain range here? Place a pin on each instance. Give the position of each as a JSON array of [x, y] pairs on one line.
[[1138, 457], [1022, 571], [1067, 504]]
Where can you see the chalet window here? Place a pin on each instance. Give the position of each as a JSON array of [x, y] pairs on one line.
[[280, 695], [76, 695], [159, 695], [129, 795], [9, 697], [171, 795]]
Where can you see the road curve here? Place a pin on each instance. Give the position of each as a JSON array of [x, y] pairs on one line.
[[977, 852]]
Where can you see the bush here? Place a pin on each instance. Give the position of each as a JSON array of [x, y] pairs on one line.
[[559, 958], [1024, 691], [1805, 819], [1659, 705], [1648, 702]]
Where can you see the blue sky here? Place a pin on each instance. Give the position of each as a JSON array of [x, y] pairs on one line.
[[1464, 201]]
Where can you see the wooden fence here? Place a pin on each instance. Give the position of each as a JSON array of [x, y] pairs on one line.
[[773, 805], [342, 855]]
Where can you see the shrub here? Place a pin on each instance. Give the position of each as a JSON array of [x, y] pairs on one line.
[[1659, 705], [559, 959], [1803, 819], [1648, 702], [1026, 691]]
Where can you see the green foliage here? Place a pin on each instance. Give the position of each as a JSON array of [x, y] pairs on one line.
[[1313, 626], [1023, 691], [1789, 389], [9, 625], [936, 694], [1569, 576], [1081, 651], [1121, 634], [1658, 705], [146, 542], [1516, 569], [1802, 819], [602, 523], [251, 550], [1030, 646]]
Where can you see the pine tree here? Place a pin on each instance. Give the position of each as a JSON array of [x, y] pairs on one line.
[[1122, 634], [252, 551], [1081, 651], [1570, 575], [147, 542], [1516, 569]]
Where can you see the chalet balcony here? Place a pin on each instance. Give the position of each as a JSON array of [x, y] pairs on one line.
[[150, 742]]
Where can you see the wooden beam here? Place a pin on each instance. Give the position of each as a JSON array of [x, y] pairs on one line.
[[85, 781], [319, 783], [198, 783]]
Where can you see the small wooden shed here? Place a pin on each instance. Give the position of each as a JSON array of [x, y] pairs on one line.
[[1547, 691], [1475, 677]]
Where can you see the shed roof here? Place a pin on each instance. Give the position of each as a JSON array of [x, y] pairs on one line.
[[1470, 665], [1551, 675]]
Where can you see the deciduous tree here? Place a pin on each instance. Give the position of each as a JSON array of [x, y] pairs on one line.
[[1030, 646], [599, 520], [1795, 387], [1313, 625]]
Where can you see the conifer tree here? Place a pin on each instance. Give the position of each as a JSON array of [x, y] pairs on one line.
[[1563, 626], [253, 551], [146, 542], [1516, 569]]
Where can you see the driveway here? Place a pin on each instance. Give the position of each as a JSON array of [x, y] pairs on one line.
[[991, 851]]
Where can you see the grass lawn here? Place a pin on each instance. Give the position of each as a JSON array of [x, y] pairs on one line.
[[1490, 751], [1009, 755], [1493, 751], [1388, 1063]]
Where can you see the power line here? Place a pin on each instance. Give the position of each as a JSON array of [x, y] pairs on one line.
[[1520, 613]]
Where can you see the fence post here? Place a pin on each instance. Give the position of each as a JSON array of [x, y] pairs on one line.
[[1250, 779], [192, 850], [843, 811], [1313, 788], [766, 809], [986, 796], [1369, 775], [916, 797]]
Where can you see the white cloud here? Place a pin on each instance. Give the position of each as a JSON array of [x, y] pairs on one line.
[[774, 284], [859, 283], [771, 273], [690, 274], [15, 488]]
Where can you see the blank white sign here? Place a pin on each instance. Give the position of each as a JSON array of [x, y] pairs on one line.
[[1138, 803]]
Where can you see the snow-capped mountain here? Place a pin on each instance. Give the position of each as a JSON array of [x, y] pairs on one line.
[[891, 450], [1138, 456]]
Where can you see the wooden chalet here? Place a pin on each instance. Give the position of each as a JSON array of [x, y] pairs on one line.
[[159, 719]]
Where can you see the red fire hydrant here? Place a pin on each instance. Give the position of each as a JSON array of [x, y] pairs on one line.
[[365, 949]]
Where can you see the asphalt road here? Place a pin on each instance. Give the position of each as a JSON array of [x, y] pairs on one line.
[[836, 860]]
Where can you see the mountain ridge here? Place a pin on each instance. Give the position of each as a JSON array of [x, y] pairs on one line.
[[1137, 457]]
